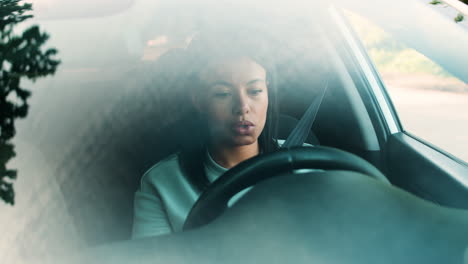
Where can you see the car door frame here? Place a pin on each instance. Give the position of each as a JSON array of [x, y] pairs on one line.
[[408, 161]]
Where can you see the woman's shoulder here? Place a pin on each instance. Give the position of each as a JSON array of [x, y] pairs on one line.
[[170, 160], [164, 168]]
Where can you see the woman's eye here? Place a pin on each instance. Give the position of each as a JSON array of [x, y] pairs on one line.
[[222, 94], [255, 91]]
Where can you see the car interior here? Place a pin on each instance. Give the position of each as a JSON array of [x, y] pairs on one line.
[[135, 114], [146, 122], [150, 116]]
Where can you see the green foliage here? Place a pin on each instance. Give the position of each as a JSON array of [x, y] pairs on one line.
[[459, 18], [12, 13], [21, 56], [435, 2], [390, 55], [405, 61]]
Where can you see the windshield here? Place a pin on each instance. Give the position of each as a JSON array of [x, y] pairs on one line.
[[109, 92]]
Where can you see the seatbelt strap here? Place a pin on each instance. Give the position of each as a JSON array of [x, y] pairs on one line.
[[302, 129]]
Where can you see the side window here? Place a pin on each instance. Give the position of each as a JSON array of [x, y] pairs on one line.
[[430, 102]]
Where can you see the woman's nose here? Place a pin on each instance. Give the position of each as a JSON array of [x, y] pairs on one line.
[[240, 105]]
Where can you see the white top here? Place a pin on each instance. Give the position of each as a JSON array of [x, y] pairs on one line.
[[166, 196]]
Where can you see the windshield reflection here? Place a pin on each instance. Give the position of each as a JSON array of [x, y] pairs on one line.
[[23, 56], [112, 109]]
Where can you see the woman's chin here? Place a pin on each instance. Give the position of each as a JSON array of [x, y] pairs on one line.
[[244, 140]]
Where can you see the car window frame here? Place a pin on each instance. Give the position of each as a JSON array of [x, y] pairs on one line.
[[376, 86]]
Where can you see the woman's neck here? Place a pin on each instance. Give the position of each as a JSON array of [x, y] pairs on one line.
[[229, 157]]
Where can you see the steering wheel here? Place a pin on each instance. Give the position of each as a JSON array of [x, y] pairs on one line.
[[213, 201]]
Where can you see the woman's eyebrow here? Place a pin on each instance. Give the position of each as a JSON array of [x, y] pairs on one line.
[[255, 81], [222, 83]]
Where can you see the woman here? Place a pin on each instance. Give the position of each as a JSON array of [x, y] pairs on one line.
[[234, 97]]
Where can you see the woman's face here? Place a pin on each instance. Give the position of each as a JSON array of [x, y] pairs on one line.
[[234, 101]]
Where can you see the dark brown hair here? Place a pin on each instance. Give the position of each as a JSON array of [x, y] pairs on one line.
[[211, 46]]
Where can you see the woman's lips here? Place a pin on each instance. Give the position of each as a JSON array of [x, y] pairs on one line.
[[243, 128]]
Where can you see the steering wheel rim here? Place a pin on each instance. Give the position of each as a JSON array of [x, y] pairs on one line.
[[213, 201]]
